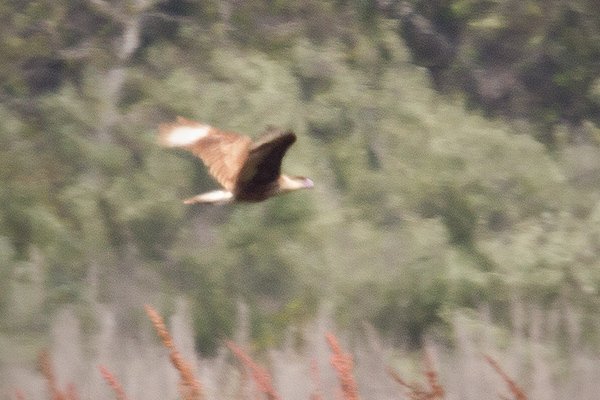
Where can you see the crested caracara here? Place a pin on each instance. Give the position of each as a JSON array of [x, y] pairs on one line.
[[248, 171]]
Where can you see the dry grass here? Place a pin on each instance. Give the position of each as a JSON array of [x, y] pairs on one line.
[[317, 393], [417, 392], [113, 383], [72, 392], [189, 387], [259, 375], [343, 364], [512, 386], [45, 363], [19, 395], [48, 372], [436, 390]]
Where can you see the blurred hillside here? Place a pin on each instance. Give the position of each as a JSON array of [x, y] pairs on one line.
[[458, 181]]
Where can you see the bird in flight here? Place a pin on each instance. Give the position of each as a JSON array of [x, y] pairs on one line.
[[248, 171]]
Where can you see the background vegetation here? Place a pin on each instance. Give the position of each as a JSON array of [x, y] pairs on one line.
[[453, 143]]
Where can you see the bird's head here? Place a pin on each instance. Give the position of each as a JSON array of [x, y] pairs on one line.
[[290, 183], [306, 183]]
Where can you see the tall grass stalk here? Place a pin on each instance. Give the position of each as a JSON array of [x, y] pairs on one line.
[[189, 387], [512, 386], [343, 364], [259, 375], [317, 393], [48, 372]]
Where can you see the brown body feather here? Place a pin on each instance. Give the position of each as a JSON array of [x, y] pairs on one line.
[[248, 171]]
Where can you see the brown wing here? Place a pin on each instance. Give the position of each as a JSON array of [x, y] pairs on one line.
[[223, 152], [263, 165]]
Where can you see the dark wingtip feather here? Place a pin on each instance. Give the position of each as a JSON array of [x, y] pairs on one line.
[[275, 133]]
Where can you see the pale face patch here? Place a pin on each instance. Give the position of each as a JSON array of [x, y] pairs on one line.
[[308, 184], [185, 135]]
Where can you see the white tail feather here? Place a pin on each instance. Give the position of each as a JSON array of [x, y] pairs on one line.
[[185, 135]]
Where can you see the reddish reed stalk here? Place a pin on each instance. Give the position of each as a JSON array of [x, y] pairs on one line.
[[48, 372], [113, 382], [437, 391], [416, 392], [259, 375], [512, 386], [317, 394], [343, 364], [19, 395], [72, 392], [189, 387]]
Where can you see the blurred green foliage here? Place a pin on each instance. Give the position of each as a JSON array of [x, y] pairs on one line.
[[420, 206]]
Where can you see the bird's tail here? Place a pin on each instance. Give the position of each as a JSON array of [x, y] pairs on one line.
[[217, 196]]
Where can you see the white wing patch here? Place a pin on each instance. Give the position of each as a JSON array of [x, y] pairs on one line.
[[216, 196], [185, 135]]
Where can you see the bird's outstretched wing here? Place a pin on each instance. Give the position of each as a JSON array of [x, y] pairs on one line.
[[263, 164], [224, 153]]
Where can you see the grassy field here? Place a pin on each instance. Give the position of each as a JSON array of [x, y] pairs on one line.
[[312, 364]]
